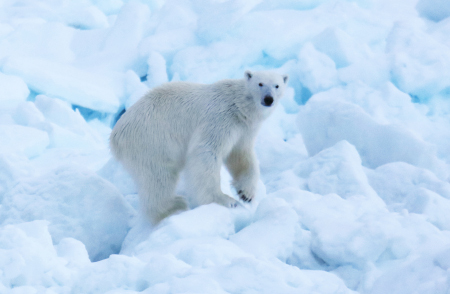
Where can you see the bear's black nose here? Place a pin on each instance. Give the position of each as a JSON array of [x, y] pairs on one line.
[[268, 100]]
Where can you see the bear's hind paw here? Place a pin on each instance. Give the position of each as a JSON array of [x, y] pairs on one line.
[[227, 201]]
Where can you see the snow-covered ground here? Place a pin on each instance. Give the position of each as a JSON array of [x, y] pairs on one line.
[[354, 194]]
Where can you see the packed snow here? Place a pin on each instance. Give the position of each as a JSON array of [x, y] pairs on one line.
[[354, 195]]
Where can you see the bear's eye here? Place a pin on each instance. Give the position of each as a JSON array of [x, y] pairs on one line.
[[276, 86], [260, 84]]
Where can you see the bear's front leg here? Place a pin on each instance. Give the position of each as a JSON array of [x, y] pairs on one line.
[[203, 178], [243, 166]]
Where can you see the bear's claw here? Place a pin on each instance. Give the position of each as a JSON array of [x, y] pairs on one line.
[[243, 196]]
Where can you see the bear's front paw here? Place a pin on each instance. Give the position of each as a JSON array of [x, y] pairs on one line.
[[246, 197]]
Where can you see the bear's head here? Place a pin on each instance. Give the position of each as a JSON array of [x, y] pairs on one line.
[[266, 87]]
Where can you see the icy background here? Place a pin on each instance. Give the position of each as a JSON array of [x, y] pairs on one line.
[[355, 164]]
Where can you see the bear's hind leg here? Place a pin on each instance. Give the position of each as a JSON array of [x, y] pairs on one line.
[[157, 195]]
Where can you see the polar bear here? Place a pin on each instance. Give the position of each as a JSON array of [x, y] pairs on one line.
[[195, 127]]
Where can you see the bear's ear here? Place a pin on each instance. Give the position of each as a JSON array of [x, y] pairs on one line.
[[248, 74], [285, 78]]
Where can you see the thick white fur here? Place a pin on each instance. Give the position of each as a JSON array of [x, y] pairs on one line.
[[198, 128]]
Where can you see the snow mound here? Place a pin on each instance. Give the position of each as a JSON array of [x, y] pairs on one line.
[[13, 90], [77, 86], [24, 140], [325, 121], [76, 203], [435, 10]]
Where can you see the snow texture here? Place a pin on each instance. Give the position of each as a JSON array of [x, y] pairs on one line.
[[354, 192]]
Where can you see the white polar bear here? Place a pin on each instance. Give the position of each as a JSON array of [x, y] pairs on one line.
[[198, 128]]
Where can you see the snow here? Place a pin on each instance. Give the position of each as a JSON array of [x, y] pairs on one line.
[[23, 140], [354, 190], [317, 70], [435, 10], [76, 202], [13, 90], [79, 87]]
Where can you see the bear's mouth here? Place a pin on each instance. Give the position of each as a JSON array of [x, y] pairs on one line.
[[267, 101]]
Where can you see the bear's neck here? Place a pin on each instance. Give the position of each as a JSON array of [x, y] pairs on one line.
[[250, 112], [243, 104]]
